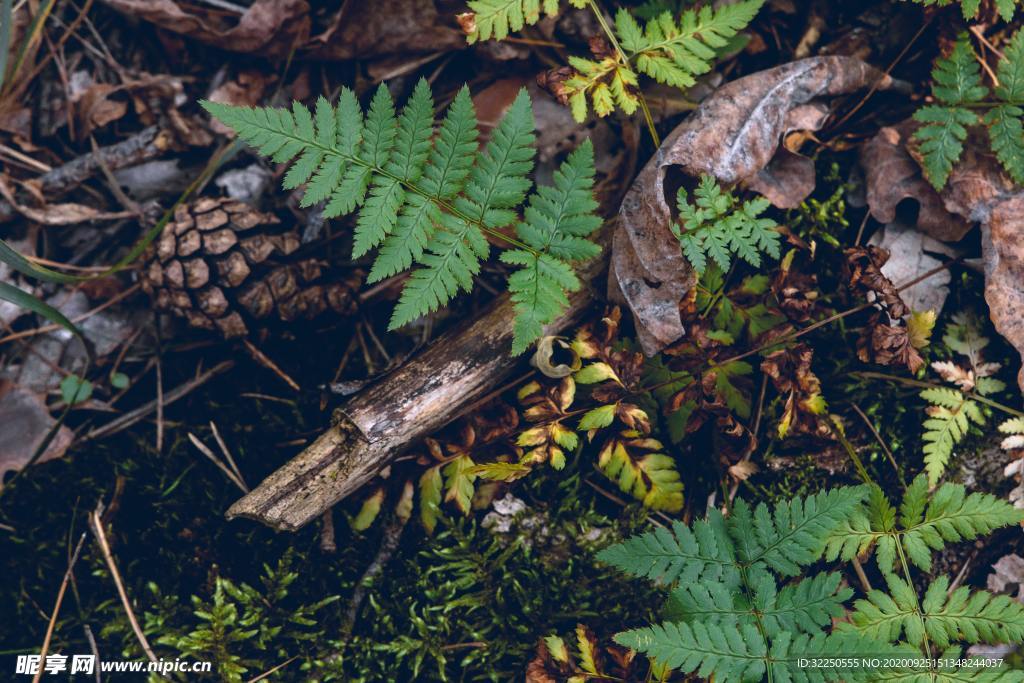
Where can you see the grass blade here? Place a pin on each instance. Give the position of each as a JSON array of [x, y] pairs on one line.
[[30, 302]]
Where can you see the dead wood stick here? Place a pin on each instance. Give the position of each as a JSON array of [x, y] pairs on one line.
[[143, 146], [416, 400]]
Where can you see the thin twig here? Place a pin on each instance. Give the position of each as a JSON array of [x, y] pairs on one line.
[[878, 438], [266, 362], [270, 672], [56, 607], [227, 455], [205, 450], [96, 524], [132, 417], [861, 576]]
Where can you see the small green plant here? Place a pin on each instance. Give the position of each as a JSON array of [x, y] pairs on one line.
[[240, 622], [669, 50], [958, 90], [716, 225], [434, 199], [743, 608]]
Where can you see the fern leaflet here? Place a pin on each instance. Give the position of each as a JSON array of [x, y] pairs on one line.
[[432, 199], [717, 226], [950, 415], [958, 89]]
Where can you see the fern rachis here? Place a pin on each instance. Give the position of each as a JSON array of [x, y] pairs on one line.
[[431, 199]]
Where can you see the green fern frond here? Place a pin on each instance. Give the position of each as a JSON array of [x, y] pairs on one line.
[[682, 554], [431, 198], [794, 534], [557, 219], [956, 81], [956, 78], [728, 619], [673, 52], [941, 140], [716, 228], [978, 617], [731, 653], [949, 418], [495, 18], [806, 606], [928, 521], [670, 51], [953, 516]]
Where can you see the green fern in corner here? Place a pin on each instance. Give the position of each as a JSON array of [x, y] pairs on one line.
[[433, 198], [743, 607], [958, 91], [716, 225]]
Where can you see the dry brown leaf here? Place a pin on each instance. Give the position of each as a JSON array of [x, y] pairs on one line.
[[977, 190], [269, 27], [24, 423], [892, 176], [910, 257], [733, 136], [245, 90]]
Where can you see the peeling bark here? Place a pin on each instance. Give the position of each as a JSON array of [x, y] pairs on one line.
[[416, 400]]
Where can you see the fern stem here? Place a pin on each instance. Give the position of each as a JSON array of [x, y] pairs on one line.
[[648, 119], [749, 590], [923, 384], [850, 451], [917, 599]]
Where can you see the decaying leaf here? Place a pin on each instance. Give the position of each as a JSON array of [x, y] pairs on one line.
[[978, 190], [24, 423], [58, 214], [733, 136], [888, 345], [386, 28], [863, 269], [892, 176], [911, 256], [791, 374]]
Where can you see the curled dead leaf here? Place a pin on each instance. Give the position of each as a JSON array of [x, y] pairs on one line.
[[863, 271], [733, 136], [544, 358], [893, 176]]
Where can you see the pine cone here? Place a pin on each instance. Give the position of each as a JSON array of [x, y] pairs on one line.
[[222, 265]]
